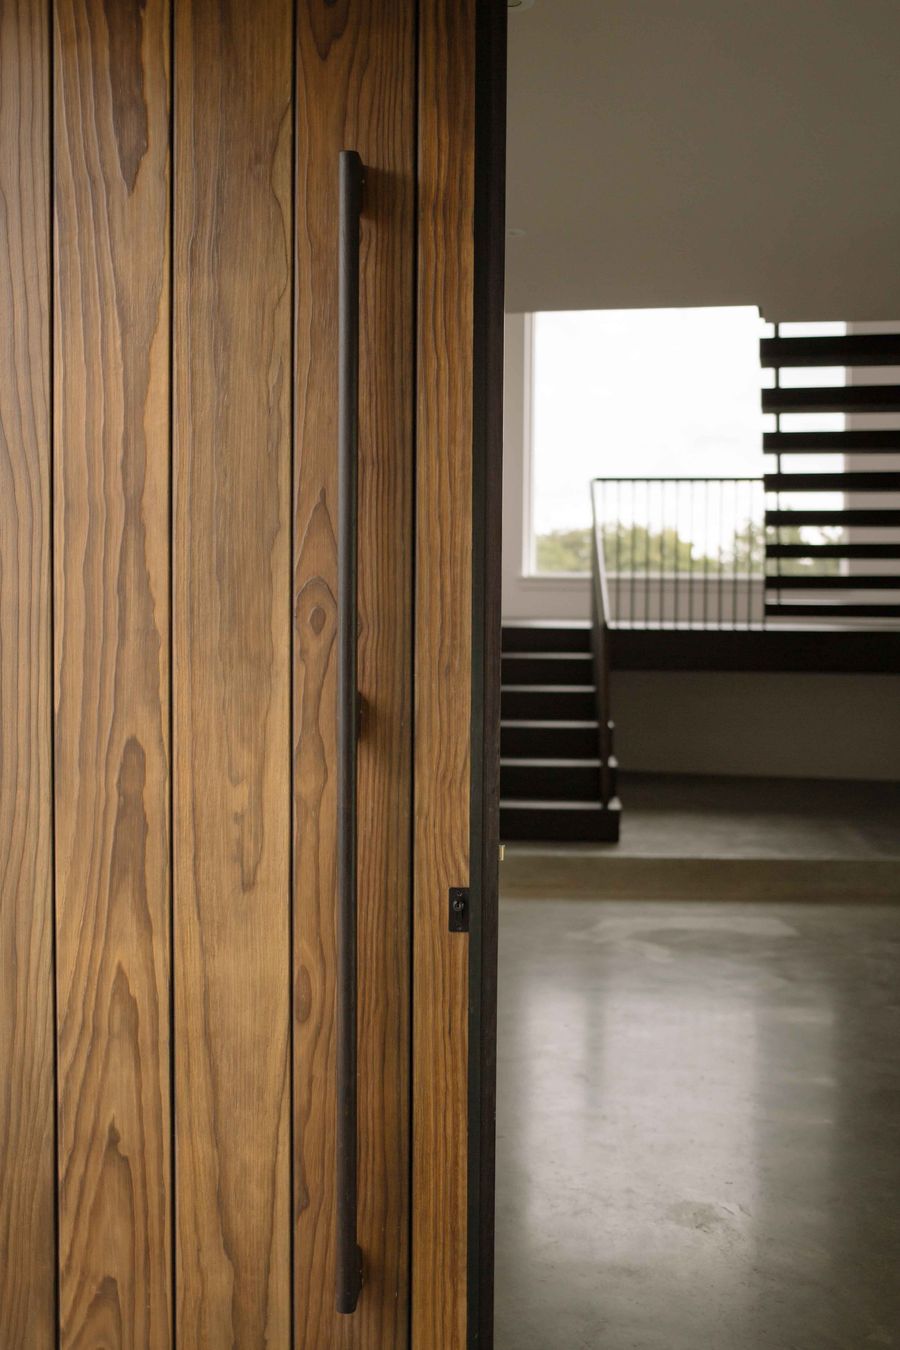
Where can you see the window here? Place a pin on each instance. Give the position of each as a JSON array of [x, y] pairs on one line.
[[635, 393]]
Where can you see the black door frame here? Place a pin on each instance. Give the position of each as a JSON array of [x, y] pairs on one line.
[[487, 476]]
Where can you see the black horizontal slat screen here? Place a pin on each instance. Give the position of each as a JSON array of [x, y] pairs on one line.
[[847, 398], [851, 349], [873, 550], [831, 442], [888, 519], [826, 609], [852, 482], [858, 581], [816, 545]]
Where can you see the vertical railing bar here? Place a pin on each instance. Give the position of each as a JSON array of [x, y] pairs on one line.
[[744, 562], [734, 556], [721, 619], [684, 564], [706, 554], [676, 562], [647, 519], [691, 506], [618, 548], [599, 505], [676, 541], [631, 552], [743, 553], [665, 508], [723, 526], [607, 500], [714, 562], [759, 513], [761, 559], [662, 552], [661, 599], [726, 619], [668, 513], [669, 563], [754, 556], [750, 558], [606, 537], [751, 510]]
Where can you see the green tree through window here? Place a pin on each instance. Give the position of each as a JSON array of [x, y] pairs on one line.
[[635, 548]]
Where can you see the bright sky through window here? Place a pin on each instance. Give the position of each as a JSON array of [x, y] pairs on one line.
[[634, 393]]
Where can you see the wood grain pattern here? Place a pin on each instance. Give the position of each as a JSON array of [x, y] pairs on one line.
[[443, 679], [27, 1163], [111, 440], [355, 90], [232, 625]]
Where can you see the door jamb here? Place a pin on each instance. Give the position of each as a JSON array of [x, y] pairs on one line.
[[487, 474]]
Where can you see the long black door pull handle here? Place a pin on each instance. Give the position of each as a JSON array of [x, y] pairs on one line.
[[349, 1257]]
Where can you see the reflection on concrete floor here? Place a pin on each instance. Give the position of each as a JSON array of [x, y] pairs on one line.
[[699, 1126]]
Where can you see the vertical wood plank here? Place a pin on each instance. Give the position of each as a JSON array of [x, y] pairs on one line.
[[27, 1163], [232, 599], [355, 90], [443, 679], [111, 440]]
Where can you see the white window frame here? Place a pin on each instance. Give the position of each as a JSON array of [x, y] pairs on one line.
[[526, 593]]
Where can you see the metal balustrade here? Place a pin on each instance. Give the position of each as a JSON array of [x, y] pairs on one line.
[[682, 552]]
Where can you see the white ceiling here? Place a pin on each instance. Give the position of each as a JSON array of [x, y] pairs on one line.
[[706, 152]]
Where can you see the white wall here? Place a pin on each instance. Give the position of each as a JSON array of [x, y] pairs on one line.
[[790, 726], [705, 152]]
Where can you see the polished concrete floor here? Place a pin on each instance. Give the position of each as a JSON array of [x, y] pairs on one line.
[[690, 837], [698, 1126], [663, 814]]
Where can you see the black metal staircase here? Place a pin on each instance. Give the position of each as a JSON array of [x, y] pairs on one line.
[[553, 773], [837, 562], [865, 584]]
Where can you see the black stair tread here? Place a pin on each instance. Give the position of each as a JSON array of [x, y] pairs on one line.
[[547, 737], [521, 803], [574, 823], [543, 668], [548, 688], [548, 656], [540, 626], [554, 722], [545, 762], [548, 702], [546, 623], [545, 635]]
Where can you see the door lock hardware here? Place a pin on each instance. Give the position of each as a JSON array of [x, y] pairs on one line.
[[459, 909]]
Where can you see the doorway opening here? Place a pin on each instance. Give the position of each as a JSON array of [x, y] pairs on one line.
[[700, 736]]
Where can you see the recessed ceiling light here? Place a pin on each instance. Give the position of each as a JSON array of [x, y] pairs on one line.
[[519, 4]]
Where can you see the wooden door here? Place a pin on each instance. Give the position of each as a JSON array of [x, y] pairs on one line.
[[231, 357], [168, 691], [27, 1081]]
